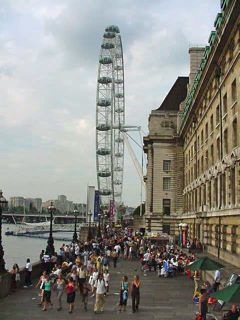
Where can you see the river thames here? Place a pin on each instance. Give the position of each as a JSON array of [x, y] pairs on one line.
[[18, 249]]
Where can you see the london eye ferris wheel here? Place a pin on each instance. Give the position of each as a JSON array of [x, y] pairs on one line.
[[110, 118]]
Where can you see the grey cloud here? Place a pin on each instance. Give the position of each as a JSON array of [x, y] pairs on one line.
[[7, 70], [52, 92]]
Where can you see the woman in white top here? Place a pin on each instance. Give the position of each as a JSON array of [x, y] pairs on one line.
[[93, 279], [40, 283], [106, 277], [81, 277]]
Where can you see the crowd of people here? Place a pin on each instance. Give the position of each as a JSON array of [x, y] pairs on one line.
[[84, 268]]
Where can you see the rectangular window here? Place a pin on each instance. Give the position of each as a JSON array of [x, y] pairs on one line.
[[210, 194], [206, 159], [201, 137], [212, 154], [225, 139], [166, 183], [206, 130], [195, 147], [218, 148], [225, 104], [235, 133], [167, 207], [166, 165], [211, 123], [224, 193], [233, 186], [217, 115], [216, 192], [234, 91], [166, 228]]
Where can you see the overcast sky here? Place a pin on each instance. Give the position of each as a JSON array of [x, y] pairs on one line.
[[48, 67]]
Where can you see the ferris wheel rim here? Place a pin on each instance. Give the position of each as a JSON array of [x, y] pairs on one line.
[[111, 97]]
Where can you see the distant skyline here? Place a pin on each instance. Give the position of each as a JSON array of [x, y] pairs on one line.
[[48, 74]]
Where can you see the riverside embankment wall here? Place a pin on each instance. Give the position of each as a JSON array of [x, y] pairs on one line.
[[6, 279]]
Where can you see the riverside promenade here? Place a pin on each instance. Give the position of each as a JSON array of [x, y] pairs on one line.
[[161, 298]]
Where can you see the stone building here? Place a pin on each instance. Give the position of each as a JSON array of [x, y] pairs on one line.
[[165, 163], [210, 133], [207, 138]]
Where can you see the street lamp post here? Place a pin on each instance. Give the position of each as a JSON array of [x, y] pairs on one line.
[[75, 237], [50, 243], [3, 204]]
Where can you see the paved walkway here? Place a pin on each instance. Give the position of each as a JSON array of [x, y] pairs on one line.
[[164, 299]]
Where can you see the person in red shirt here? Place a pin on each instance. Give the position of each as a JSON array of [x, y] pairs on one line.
[[70, 289]]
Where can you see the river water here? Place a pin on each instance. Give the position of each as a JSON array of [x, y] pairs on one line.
[[18, 249]]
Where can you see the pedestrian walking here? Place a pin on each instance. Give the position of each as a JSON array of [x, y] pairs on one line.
[[70, 289], [106, 277], [46, 293], [40, 284], [92, 280], [135, 293], [28, 273], [197, 279], [82, 274], [114, 257], [85, 293], [100, 290], [203, 303], [124, 287], [59, 286]]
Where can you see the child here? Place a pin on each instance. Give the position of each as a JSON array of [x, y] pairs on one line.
[[123, 294]]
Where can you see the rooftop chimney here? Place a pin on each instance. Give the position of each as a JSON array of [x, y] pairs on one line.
[[196, 55]]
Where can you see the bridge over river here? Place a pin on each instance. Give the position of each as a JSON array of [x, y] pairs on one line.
[[37, 217]]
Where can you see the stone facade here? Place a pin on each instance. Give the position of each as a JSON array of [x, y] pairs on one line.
[[164, 180], [204, 146], [211, 143]]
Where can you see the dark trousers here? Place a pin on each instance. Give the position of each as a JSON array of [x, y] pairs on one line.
[[85, 301], [135, 300], [28, 281], [114, 262], [216, 286]]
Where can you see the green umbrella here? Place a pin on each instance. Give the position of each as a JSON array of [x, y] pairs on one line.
[[228, 294], [205, 263]]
